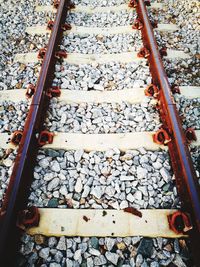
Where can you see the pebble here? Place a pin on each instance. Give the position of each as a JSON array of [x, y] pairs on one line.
[[78, 187], [112, 257], [53, 184], [44, 253]]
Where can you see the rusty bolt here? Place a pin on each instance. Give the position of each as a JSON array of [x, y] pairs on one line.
[[16, 138], [137, 25], [41, 53], [54, 91], [61, 54], [179, 222], [152, 90], [190, 135], [30, 91], [56, 3], [28, 218], [133, 3], [147, 2], [143, 53], [163, 52], [50, 25], [66, 27], [175, 89], [161, 137], [45, 137]]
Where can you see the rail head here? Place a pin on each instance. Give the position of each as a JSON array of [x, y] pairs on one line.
[[22, 174], [186, 179]]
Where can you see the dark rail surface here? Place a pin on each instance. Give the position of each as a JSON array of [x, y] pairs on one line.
[[22, 174], [186, 179]]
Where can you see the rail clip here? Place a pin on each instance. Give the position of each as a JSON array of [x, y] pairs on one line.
[[28, 218], [161, 137], [66, 27], [61, 54], [143, 53], [175, 89], [147, 3], [56, 3], [45, 137], [152, 90], [16, 138], [41, 53], [30, 90], [71, 6], [133, 3], [179, 222], [137, 25], [54, 91], [50, 25], [163, 52], [190, 135]]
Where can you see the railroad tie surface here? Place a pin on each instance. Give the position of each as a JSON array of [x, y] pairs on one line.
[[103, 223]]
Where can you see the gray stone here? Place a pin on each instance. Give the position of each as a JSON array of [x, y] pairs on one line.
[[141, 173], [55, 166], [109, 242], [61, 244], [53, 184], [78, 155], [112, 257], [52, 241], [44, 253], [165, 175], [145, 247], [99, 260], [94, 252], [97, 192]]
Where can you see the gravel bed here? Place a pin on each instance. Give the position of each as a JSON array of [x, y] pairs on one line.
[[183, 72], [90, 252], [92, 43], [102, 118], [112, 76], [7, 158], [185, 16], [12, 33], [111, 179], [12, 116], [195, 153], [107, 19], [97, 3], [189, 110], [18, 75]]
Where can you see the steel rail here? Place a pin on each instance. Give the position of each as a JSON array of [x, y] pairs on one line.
[[186, 179], [22, 174]]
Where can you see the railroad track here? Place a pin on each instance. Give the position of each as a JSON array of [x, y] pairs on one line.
[[115, 141]]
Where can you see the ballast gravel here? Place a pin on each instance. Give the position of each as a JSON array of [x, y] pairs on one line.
[[12, 116], [102, 118], [110, 76], [183, 72], [111, 179], [92, 43], [13, 37], [7, 158], [103, 19], [19, 76], [91, 252], [98, 3], [189, 110]]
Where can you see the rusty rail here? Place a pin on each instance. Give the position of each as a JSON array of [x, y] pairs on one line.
[[186, 179], [22, 174]]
